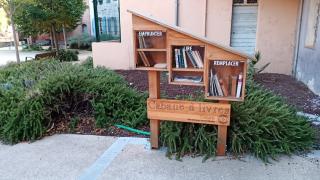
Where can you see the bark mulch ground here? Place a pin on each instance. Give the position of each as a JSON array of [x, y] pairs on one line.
[[294, 93]]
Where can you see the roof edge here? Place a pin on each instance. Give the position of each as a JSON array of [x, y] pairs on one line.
[[184, 31]]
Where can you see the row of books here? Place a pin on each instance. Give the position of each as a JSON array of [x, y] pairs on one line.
[[144, 43], [218, 88], [188, 79], [193, 56]]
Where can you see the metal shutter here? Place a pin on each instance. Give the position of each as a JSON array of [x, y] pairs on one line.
[[244, 28]]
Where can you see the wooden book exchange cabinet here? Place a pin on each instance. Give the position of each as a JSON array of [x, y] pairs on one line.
[[193, 61]]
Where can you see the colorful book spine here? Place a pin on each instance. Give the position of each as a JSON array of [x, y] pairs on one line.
[[239, 85], [194, 64], [184, 58], [177, 58]]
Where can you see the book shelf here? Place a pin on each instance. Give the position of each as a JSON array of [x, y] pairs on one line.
[[190, 60], [226, 80], [186, 65], [150, 50]]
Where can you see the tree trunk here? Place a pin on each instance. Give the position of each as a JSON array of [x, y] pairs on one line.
[[16, 41], [64, 37], [51, 38], [54, 34]]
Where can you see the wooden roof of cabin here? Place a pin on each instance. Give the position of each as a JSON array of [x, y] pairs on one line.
[[184, 31]]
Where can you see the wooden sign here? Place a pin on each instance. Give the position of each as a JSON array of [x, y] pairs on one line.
[[189, 111]]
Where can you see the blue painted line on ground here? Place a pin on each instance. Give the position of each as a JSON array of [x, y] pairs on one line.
[[97, 168]]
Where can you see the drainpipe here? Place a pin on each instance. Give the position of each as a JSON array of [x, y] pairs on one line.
[[296, 54], [177, 12], [206, 20], [96, 22]]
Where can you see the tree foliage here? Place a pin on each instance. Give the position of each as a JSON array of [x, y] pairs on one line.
[[39, 16]]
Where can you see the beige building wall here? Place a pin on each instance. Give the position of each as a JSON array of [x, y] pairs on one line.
[[276, 36], [192, 16], [219, 16], [277, 24], [85, 20], [119, 55]]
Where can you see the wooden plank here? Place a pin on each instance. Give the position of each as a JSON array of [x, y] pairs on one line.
[[154, 92], [189, 111], [222, 140]]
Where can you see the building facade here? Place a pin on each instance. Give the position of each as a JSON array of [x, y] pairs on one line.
[[271, 27]]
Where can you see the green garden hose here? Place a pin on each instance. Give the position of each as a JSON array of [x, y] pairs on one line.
[[133, 130]]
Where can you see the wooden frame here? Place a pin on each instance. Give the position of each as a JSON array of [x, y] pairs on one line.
[[194, 59]]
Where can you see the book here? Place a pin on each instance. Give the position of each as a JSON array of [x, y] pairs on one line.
[[188, 79], [181, 58], [189, 54], [234, 85], [184, 58], [160, 65], [176, 58], [144, 59], [239, 85], [199, 58], [216, 81], [140, 42]]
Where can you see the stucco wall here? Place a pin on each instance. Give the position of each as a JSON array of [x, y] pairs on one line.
[[85, 20], [276, 34], [119, 55], [219, 17], [308, 63], [192, 16], [277, 24]]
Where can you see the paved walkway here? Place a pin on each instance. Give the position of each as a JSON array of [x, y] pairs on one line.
[[95, 157], [9, 55]]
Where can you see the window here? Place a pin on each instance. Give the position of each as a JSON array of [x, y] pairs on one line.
[[245, 2], [84, 28], [313, 23], [109, 21]]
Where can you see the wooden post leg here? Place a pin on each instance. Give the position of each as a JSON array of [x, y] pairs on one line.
[[155, 132], [154, 92], [222, 140]]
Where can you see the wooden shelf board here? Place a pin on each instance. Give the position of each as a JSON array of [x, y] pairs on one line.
[[150, 69], [153, 50], [186, 83], [226, 98], [188, 69]]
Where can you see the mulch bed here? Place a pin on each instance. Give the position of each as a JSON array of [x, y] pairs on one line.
[[294, 93], [85, 125]]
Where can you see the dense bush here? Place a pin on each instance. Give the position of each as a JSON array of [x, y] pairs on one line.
[[88, 63], [33, 47], [82, 41], [67, 55], [40, 92], [263, 125]]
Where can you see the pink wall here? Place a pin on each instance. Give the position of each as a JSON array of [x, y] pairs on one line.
[[119, 55], [277, 24], [85, 20], [219, 21], [191, 16]]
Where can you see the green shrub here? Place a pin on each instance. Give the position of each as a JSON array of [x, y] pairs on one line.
[[263, 125], [59, 89], [67, 55], [33, 47], [83, 41], [88, 63]]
